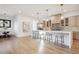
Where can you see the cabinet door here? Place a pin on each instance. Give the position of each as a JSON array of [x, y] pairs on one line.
[[77, 21], [72, 21]]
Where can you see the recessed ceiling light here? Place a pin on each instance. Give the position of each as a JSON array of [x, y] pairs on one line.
[[62, 17], [19, 11]]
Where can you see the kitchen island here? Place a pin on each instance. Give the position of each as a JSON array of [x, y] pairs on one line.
[[64, 37]]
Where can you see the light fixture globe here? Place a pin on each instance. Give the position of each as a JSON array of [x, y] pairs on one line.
[[62, 17]]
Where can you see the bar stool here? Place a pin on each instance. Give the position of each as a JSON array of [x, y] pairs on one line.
[[46, 37], [42, 35], [52, 37], [62, 39], [35, 34], [59, 39], [49, 36], [56, 38]]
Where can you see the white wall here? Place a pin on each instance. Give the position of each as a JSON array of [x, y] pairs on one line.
[[34, 24], [18, 26]]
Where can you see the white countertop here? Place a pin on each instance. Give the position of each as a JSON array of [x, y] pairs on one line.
[[56, 31]]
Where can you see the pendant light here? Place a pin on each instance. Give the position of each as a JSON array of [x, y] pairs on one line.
[[61, 5], [47, 14]]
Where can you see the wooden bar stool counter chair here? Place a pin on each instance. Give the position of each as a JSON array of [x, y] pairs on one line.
[[59, 39], [35, 34], [48, 36], [42, 35]]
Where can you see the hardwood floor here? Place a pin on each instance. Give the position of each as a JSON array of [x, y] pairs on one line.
[[26, 45]]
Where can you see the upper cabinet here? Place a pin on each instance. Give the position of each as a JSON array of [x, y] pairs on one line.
[[56, 22], [72, 21], [77, 21]]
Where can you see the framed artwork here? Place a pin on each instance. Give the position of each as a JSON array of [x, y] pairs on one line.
[[26, 27], [7, 23], [1, 23]]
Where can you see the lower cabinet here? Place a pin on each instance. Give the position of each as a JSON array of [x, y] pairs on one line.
[[76, 35]]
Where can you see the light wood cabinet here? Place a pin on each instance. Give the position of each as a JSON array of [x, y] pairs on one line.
[[76, 35], [72, 21], [77, 21]]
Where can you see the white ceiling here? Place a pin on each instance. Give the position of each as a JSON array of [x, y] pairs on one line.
[[32, 9]]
